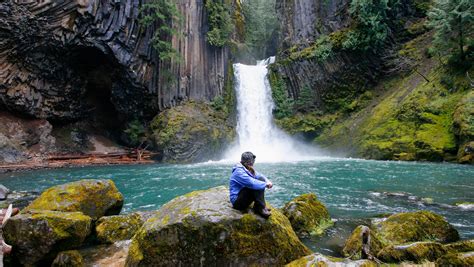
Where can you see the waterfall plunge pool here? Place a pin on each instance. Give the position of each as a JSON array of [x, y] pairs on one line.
[[353, 190]]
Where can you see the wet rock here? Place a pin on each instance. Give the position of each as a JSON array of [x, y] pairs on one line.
[[113, 255], [456, 259], [191, 132], [110, 229], [465, 205], [4, 191], [354, 244], [38, 235], [416, 252], [307, 215], [322, 260], [416, 226], [69, 258], [19, 199], [95, 198], [202, 228]]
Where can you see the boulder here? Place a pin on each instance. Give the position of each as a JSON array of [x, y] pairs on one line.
[[3, 192], [456, 259], [38, 235], [416, 252], [110, 229], [110, 255], [461, 246], [322, 260], [307, 215], [201, 228], [353, 246], [69, 258], [417, 226], [95, 198]]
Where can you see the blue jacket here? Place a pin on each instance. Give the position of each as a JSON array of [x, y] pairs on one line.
[[241, 177]]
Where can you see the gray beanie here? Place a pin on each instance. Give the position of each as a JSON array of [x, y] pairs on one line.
[[247, 158]]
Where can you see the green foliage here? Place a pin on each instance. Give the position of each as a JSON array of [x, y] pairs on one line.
[[136, 132], [322, 49], [260, 25], [305, 100], [283, 104], [220, 23], [453, 22], [162, 14], [371, 28]]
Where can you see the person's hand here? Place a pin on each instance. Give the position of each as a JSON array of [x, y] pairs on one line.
[[269, 185]]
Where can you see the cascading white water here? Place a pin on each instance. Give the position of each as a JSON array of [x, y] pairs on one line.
[[255, 128]]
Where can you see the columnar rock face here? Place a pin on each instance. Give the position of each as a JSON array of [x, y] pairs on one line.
[[201, 229], [64, 60]]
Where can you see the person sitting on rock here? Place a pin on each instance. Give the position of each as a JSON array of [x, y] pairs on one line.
[[247, 186]]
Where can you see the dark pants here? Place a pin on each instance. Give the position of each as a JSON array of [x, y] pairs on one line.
[[247, 196]]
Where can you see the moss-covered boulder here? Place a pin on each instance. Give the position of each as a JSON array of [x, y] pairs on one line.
[[110, 229], [456, 259], [94, 198], [317, 260], [69, 258], [353, 246], [201, 228], [461, 246], [416, 226], [307, 215], [191, 132], [38, 235], [415, 252]]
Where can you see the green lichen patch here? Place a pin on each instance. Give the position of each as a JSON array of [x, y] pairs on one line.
[[416, 226], [38, 235], [202, 228], [94, 198], [307, 215], [110, 229], [416, 252]]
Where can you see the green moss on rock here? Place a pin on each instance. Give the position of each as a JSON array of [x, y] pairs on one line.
[[416, 226], [110, 229], [70, 258], [191, 132], [38, 235], [353, 246], [94, 198], [307, 215], [319, 260], [456, 259], [202, 228], [461, 246], [416, 252]]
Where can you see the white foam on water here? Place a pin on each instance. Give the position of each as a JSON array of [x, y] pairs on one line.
[[256, 130]]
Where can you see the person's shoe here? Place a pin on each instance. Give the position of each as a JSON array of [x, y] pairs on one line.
[[265, 213]]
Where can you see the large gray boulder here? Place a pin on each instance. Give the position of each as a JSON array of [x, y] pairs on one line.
[[201, 229]]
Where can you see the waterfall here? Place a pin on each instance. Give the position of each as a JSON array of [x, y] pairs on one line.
[[256, 130]]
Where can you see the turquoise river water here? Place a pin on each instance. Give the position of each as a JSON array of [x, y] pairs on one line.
[[353, 190]]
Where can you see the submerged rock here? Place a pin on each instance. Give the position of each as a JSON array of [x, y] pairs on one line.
[[415, 252], [307, 215], [416, 226], [354, 244], [110, 229], [202, 228], [322, 260], [69, 258], [94, 198], [37, 235]]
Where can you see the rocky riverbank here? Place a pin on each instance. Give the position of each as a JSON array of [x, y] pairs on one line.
[[79, 224]]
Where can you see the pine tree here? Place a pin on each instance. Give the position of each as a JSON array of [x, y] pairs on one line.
[[453, 24]]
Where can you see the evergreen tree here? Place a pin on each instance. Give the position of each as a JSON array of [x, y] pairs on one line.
[[453, 24]]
